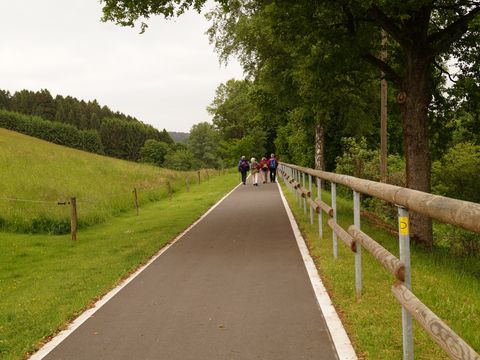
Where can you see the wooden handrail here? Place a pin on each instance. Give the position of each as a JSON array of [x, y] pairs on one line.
[[452, 211], [389, 261], [343, 235], [433, 325]]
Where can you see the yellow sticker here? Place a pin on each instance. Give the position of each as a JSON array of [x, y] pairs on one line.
[[403, 223]]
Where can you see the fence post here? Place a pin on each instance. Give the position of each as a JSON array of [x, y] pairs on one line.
[[320, 213], [135, 199], [404, 240], [334, 207], [198, 172], [310, 190], [73, 218], [358, 253], [295, 177], [304, 198], [169, 189]]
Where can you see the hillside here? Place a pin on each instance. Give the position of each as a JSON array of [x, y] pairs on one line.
[[179, 136], [39, 174]]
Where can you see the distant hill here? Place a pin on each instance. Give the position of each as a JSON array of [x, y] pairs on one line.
[[179, 136]]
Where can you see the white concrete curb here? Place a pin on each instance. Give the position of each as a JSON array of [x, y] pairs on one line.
[[53, 343], [338, 334]]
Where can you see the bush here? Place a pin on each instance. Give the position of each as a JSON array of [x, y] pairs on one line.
[[153, 152], [58, 133], [456, 173], [359, 161]]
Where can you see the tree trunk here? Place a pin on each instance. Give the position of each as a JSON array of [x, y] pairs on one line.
[[319, 146], [414, 101]]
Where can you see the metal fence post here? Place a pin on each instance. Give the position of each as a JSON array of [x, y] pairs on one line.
[[295, 176], [310, 190], [404, 240], [304, 198], [320, 214], [334, 207], [358, 254]]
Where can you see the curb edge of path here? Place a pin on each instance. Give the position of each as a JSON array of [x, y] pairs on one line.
[[77, 322], [339, 336]]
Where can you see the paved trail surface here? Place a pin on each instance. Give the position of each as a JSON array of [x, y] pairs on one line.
[[234, 287]]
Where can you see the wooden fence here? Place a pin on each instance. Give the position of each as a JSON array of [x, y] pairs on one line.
[[456, 212]]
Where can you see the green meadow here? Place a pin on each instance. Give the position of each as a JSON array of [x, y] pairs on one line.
[[36, 175], [449, 285]]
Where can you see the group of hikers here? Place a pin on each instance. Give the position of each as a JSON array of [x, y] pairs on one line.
[[264, 167]]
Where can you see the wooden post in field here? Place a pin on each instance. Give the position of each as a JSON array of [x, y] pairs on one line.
[[135, 199], [73, 218], [169, 188], [198, 172]]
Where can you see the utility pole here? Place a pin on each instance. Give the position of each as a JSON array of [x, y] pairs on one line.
[[383, 115]]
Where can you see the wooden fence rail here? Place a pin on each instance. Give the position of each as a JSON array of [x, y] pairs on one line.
[[456, 212]]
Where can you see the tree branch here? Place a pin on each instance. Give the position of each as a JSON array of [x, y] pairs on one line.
[[389, 26], [443, 71], [441, 40], [383, 66]]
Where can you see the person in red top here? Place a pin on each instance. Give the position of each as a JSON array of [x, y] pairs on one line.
[[272, 166], [264, 169]]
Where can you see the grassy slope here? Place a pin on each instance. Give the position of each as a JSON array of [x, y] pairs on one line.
[[449, 285], [45, 280], [34, 169]]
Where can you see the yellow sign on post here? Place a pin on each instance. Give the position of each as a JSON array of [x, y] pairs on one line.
[[403, 225]]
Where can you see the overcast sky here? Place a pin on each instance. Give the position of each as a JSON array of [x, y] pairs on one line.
[[165, 77]]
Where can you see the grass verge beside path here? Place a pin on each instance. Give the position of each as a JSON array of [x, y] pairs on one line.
[[448, 285], [46, 280]]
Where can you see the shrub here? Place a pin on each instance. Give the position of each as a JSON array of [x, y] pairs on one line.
[[456, 173]]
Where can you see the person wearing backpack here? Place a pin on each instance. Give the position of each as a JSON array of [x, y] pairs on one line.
[[243, 167], [272, 166], [264, 169]]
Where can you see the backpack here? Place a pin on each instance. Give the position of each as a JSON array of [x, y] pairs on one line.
[[273, 164], [244, 165]]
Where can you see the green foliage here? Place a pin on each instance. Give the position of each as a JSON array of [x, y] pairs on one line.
[[456, 174], [294, 144], [360, 161], [182, 159], [153, 152], [203, 144], [62, 134]]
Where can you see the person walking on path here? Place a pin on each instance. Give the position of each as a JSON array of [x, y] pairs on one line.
[[243, 167], [272, 166], [264, 169], [255, 169]]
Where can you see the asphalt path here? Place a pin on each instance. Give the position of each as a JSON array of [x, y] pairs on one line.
[[233, 287]]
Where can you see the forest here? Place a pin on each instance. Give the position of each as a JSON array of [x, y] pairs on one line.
[[76, 123]]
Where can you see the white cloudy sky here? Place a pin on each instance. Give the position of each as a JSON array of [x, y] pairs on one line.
[[165, 77]]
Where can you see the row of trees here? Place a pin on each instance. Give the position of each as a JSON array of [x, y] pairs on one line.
[[314, 66], [120, 135]]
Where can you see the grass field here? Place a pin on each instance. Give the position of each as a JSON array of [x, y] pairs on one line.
[[46, 280], [448, 285], [42, 173]]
